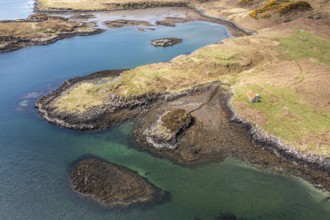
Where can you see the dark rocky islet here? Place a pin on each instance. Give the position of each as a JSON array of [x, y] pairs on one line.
[[113, 185], [165, 42]]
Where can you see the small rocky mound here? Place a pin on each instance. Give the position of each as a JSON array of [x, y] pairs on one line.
[[113, 185], [165, 42], [171, 21], [164, 133], [124, 23]]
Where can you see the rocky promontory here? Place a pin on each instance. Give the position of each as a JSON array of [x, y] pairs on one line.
[[41, 29], [113, 185], [165, 42]]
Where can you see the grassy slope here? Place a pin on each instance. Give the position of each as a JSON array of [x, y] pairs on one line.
[[307, 45], [287, 111]]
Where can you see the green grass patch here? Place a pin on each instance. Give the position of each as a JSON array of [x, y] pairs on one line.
[[305, 44], [286, 114]]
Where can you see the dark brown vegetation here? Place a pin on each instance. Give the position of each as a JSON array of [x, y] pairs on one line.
[[176, 119]]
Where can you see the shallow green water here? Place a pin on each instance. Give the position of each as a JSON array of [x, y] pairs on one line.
[[35, 157]]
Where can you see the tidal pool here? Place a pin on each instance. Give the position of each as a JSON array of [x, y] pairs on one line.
[[35, 157]]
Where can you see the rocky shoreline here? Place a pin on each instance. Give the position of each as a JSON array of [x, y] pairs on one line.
[[232, 136], [250, 145], [116, 110], [93, 119], [113, 185], [14, 41]]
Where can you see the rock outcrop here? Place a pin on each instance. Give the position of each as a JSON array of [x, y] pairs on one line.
[[113, 185], [164, 133], [124, 23], [165, 42]]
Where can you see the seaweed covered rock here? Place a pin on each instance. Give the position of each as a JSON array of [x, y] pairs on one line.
[[165, 131], [113, 185], [165, 42]]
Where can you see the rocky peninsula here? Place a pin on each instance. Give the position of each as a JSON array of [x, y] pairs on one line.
[[41, 29], [113, 185], [287, 130]]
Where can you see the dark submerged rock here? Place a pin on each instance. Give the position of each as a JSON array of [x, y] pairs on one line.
[[113, 185], [165, 42]]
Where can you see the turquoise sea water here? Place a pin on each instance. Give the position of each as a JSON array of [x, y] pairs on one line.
[[35, 157]]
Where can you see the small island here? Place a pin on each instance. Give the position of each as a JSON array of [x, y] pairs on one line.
[[124, 23], [113, 185], [165, 42]]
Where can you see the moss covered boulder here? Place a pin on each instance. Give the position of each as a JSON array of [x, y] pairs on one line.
[[165, 131]]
